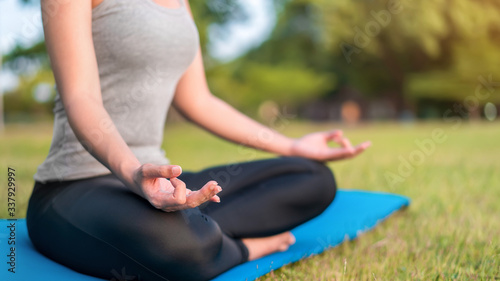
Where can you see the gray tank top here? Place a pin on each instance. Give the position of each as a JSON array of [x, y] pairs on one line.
[[142, 50]]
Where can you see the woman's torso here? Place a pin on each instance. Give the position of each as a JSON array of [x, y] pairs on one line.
[[142, 49]]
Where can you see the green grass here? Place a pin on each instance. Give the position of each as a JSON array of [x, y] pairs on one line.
[[451, 231]]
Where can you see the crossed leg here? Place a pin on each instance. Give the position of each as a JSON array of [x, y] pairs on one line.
[[262, 200], [98, 227]]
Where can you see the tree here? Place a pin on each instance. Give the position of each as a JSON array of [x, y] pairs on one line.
[[450, 42], [288, 68]]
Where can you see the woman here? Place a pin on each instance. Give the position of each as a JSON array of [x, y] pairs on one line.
[[106, 201]]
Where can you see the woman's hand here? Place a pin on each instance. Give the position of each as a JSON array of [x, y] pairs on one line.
[[315, 146], [151, 182]]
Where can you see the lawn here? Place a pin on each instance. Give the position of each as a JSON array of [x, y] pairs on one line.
[[451, 231]]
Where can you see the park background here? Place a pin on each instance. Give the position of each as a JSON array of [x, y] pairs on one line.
[[420, 79]]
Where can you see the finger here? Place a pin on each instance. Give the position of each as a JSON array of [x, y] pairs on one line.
[[339, 153], [208, 191], [215, 199], [362, 147], [161, 171], [179, 196], [338, 138], [334, 134], [346, 143], [343, 153]]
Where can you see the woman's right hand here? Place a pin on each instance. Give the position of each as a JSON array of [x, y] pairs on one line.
[[161, 187]]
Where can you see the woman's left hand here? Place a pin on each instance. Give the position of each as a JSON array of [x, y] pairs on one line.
[[315, 146]]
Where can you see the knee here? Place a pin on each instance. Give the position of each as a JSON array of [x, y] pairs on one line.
[[323, 187], [191, 256]]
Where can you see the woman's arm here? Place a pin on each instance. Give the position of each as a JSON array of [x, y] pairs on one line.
[[194, 99], [68, 36]]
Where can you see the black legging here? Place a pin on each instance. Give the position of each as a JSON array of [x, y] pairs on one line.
[[98, 227]]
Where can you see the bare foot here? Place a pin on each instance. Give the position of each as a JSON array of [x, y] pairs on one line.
[[259, 247]]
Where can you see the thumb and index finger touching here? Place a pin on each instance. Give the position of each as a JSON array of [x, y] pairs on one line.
[[347, 149], [161, 171], [181, 192]]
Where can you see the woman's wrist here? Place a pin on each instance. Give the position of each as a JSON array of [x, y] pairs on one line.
[[126, 172], [284, 146]]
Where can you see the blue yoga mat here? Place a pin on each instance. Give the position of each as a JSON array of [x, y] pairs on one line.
[[351, 213]]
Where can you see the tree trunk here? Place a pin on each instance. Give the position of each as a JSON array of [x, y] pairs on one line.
[[393, 65]]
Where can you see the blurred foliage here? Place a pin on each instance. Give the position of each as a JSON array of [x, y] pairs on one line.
[[422, 49], [248, 84], [412, 53], [21, 100], [289, 68], [403, 50], [19, 56], [218, 12]]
